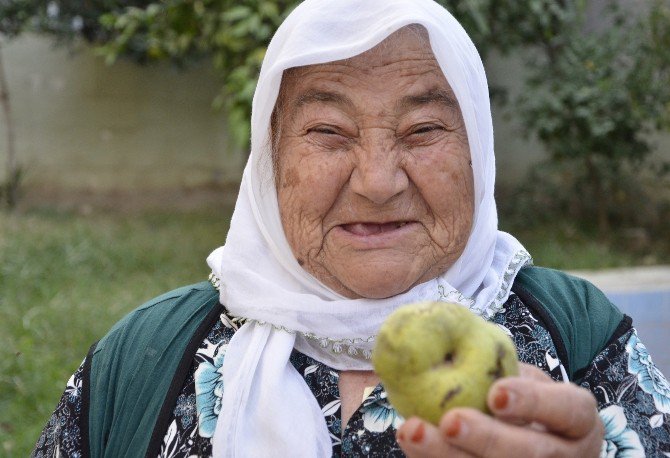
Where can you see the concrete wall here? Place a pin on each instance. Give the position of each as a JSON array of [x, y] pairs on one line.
[[83, 124]]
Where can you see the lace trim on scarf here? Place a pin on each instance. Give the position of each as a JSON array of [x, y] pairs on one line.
[[352, 346], [520, 259]]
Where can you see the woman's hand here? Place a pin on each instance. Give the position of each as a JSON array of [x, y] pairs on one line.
[[532, 414]]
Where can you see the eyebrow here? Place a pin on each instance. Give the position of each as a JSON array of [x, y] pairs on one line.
[[438, 96], [316, 96]]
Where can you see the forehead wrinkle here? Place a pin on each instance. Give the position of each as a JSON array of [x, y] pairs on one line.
[[374, 60]]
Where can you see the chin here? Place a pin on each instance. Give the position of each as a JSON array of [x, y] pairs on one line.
[[372, 277], [380, 287]]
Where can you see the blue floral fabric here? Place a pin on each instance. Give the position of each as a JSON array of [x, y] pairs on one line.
[[633, 397], [199, 403], [531, 339], [649, 378], [209, 391], [62, 434]]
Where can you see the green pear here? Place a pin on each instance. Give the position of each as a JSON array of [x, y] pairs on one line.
[[433, 356]]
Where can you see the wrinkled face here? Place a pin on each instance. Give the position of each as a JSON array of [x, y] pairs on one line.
[[373, 172]]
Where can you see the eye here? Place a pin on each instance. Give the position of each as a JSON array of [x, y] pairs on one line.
[[425, 129], [423, 134], [326, 130], [328, 136]]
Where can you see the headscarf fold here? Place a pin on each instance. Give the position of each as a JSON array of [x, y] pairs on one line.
[[267, 408]]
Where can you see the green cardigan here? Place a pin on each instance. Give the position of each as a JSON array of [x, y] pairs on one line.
[[138, 368], [133, 369]]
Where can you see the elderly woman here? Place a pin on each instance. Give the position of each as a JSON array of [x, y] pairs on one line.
[[369, 186]]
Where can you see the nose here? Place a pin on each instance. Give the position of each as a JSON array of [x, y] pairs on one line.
[[378, 174]]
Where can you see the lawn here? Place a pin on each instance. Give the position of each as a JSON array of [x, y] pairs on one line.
[[66, 277]]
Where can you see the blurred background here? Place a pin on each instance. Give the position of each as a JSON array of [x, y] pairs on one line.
[[124, 132]]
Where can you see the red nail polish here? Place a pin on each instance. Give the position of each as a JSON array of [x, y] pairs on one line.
[[454, 428], [418, 434], [501, 399]]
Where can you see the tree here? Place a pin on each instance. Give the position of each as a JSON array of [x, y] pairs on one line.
[[10, 186], [594, 97], [13, 17]]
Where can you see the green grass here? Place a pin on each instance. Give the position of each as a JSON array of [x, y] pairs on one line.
[[565, 247], [65, 278], [552, 248]]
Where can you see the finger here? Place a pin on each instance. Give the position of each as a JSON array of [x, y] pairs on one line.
[[563, 408], [420, 439], [478, 434], [532, 372], [528, 424]]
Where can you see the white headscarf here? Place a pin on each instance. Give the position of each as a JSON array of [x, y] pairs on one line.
[[267, 408]]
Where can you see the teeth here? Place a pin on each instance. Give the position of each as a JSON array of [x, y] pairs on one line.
[[372, 228]]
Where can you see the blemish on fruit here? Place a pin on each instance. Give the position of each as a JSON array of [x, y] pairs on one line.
[[498, 371], [450, 394], [449, 358]]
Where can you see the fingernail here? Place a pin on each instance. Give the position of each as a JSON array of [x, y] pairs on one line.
[[453, 428], [501, 400], [401, 436], [418, 434]]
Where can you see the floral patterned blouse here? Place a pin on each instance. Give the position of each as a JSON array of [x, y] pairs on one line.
[[633, 397]]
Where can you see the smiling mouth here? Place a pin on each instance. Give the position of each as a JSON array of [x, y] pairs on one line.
[[365, 229]]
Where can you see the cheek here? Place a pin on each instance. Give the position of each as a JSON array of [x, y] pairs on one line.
[[307, 188], [447, 185]]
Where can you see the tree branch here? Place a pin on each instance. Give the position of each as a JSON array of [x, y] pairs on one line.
[[12, 172]]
